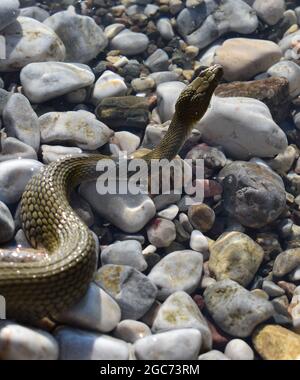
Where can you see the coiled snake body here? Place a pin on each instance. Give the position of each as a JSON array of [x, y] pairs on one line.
[[44, 281]]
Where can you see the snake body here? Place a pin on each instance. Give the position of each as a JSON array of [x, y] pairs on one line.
[[54, 276]]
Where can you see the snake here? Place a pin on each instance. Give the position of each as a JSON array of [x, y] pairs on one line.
[[43, 281]]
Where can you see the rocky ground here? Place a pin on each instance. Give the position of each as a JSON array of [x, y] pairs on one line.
[[218, 280]]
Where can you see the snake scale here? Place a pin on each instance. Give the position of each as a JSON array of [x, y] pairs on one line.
[[43, 281]]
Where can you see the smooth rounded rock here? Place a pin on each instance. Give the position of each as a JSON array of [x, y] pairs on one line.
[[75, 344], [14, 176], [165, 28], [286, 262], [236, 256], [157, 61], [52, 153], [7, 224], [234, 309], [213, 355], [130, 331], [168, 93], [42, 45], [161, 232], [47, 80], [182, 344], [289, 70], [108, 84], [270, 11], [201, 216], [80, 128], [9, 11], [96, 311], [130, 43], [238, 349], [12, 148], [35, 12], [179, 270]]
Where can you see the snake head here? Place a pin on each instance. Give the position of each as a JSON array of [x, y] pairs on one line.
[[194, 100]]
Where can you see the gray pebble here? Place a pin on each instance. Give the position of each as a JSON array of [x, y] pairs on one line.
[[130, 43], [158, 61], [9, 11], [7, 224]]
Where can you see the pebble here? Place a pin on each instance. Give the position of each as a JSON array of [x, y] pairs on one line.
[[169, 213], [288, 44], [12, 148], [109, 84], [164, 76], [129, 43], [229, 121], [21, 121], [9, 11], [82, 37], [253, 194], [274, 342], [43, 45], [286, 262], [43, 81], [130, 331], [181, 344], [294, 310], [179, 270], [7, 224], [214, 158], [270, 11], [75, 344], [161, 232], [213, 355], [143, 84], [80, 128], [96, 311], [198, 242], [52, 153], [201, 216], [167, 95], [126, 141], [238, 349], [157, 61], [235, 256], [133, 291], [22, 343], [234, 309], [128, 212], [289, 70], [35, 12], [126, 252], [165, 28], [272, 289], [112, 30], [180, 311], [14, 176]]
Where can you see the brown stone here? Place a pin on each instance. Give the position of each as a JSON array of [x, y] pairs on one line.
[[201, 216]]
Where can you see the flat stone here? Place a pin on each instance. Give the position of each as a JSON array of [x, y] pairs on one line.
[[274, 342], [47, 80], [126, 141], [21, 121], [130, 331], [180, 311], [42, 45], [113, 29], [109, 84], [243, 58], [80, 128], [75, 344], [179, 270], [133, 291], [234, 309], [52, 153], [253, 194], [290, 71], [7, 224], [96, 311], [286, 262], [82, 37], [126, 252], [130, 43], [274, 92], [9, 11], [182, 344], [167, 95], [236, 256], [164, 76], [272, 289], [14, 176], [230, 121], [22, 343], [157, 61]]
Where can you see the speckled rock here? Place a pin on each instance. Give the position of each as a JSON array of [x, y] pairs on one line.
[[290, 71], [130, 331], [9, 11], [179, 270], [21, 121], [7, 224], [96, 311], [213, 355], [229, 122], [22, 343], [180, 311], [47, 80], [238, 349], [133, 291], [201, 216], [126, 252], [52, 153], [182, 344], [161, 232], [234, 309], [243, 58], [80, 128], [109, 84], [77, 344], [236, 256], [286, 261], [130, 213], [14, 176], [82, 37], [274, 342], [130, 43], [44, 45], [253, 194]]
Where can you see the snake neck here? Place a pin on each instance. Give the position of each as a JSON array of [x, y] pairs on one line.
[[172, 142]]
